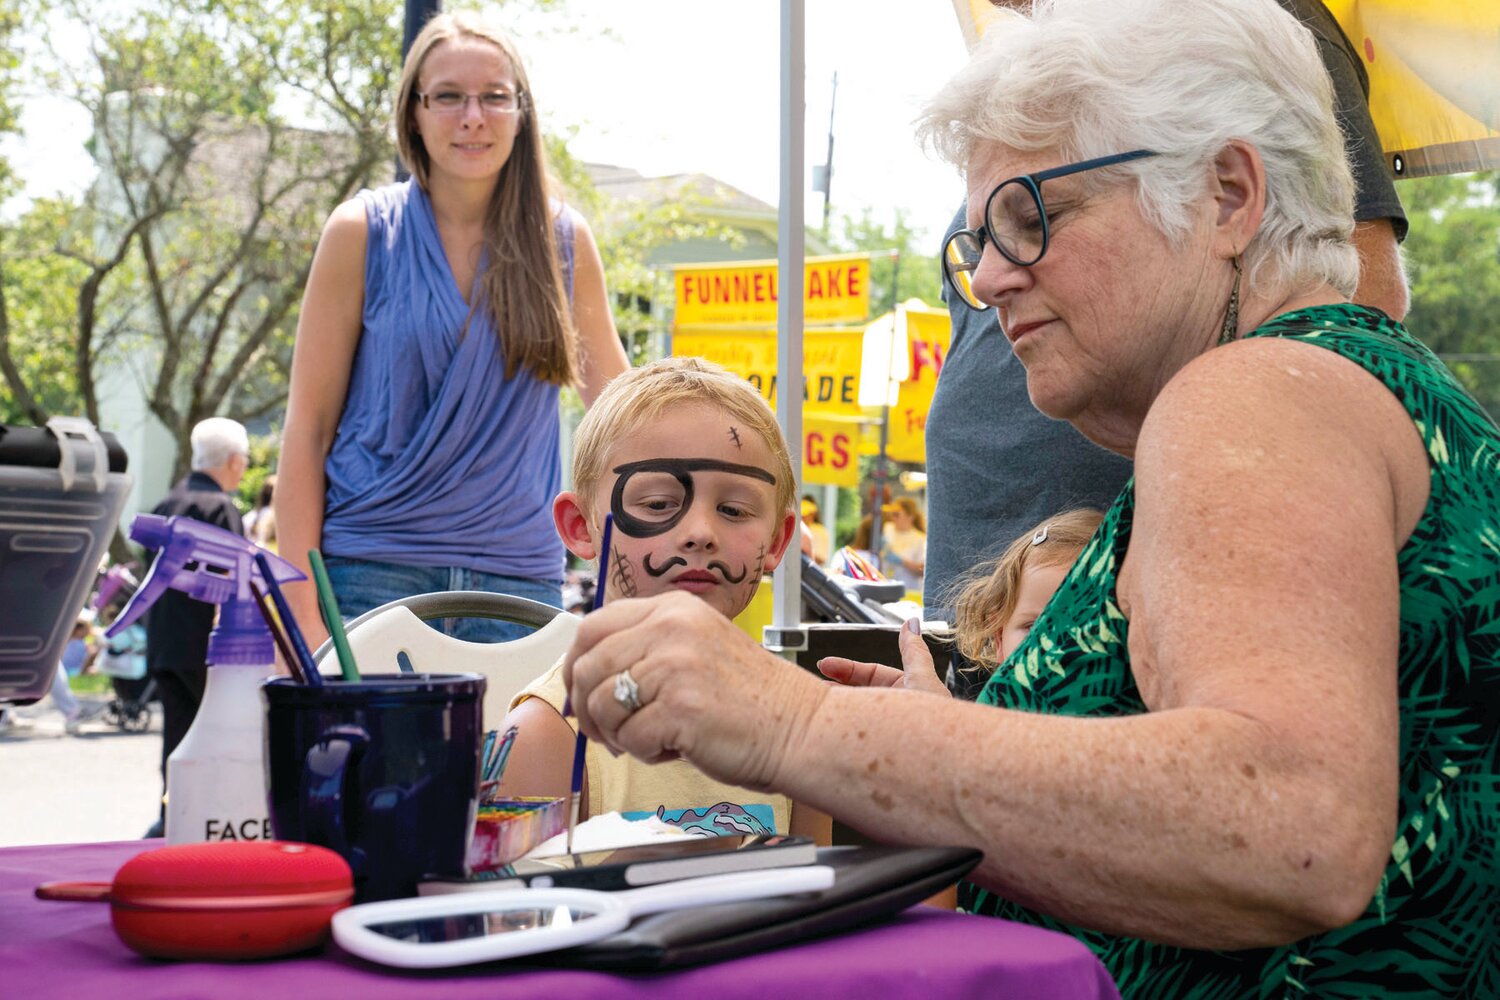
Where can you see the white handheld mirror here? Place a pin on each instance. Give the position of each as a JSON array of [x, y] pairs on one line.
[[428, 932]]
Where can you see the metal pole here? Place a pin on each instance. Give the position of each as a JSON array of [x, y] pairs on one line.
[[828, 163], [885, 415], [785, 634]]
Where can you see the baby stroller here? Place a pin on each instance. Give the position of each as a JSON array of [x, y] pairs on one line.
[[123, 660]]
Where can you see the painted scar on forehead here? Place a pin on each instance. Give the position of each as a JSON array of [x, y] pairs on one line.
[[734, 435], [680, 469]]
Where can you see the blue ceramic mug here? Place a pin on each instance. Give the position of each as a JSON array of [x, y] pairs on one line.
[[383, 770]]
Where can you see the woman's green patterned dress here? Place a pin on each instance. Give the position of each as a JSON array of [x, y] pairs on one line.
[[1433, 928]]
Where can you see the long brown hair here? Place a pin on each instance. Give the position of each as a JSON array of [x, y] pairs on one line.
[[987, 596], [522, 284]]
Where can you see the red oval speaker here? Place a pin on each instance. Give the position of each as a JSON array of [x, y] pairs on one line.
[[239, 900]]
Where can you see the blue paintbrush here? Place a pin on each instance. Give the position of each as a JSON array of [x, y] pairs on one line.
[[578, 746]]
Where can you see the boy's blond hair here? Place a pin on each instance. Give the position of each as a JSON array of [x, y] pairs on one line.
[[640, 395], [987, 595]]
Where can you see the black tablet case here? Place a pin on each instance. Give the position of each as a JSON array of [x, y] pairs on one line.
[[870, 883]]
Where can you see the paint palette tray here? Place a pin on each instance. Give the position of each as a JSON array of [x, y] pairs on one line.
[[505, 829]]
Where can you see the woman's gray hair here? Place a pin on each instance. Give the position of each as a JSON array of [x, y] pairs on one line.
[[217, 440], [1090, 78]]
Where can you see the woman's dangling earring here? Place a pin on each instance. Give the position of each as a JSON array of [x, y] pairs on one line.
[[1231, 327]]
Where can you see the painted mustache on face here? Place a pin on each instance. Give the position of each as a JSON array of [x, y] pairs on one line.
[[722, 568]]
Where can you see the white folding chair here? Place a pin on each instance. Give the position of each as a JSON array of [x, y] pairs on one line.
[[378, 636]]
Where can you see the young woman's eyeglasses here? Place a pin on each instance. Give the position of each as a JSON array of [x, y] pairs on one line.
[[1015, 221], [452, 102]]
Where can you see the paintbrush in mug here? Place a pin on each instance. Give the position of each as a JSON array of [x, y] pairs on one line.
[[580, 743], [293, 665], [310, 675], [494, 765], [332, 617]]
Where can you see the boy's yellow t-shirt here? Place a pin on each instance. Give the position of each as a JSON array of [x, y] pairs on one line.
[[676, 792]]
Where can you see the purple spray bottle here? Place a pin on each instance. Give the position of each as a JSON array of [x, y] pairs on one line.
[[216, 779]]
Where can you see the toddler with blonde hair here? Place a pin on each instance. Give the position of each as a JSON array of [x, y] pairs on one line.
[[1001, 599]]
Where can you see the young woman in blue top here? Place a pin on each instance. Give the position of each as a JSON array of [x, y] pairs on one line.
[[441, 316]]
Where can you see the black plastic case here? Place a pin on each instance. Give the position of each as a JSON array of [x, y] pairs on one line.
[[62, 488]]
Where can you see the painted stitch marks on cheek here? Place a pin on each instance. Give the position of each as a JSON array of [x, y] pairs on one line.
[[734, 435], [751, 580], [622, 574]]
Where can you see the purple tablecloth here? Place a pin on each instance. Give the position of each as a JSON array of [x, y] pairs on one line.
[[50, 949]]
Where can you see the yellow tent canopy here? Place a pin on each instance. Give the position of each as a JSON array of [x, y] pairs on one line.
[[1434, 70]]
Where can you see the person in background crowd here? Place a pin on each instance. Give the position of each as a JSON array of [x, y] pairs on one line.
[[442, 316], [177, 626], [260, 523], [815, 534], [77, 656], [989, 478], [904, 552]]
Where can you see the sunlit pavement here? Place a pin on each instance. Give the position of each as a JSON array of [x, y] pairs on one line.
[[56, 787]]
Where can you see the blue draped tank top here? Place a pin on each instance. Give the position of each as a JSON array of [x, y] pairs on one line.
[[440, 459]]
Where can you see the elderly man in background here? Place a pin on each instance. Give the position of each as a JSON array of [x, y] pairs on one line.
[[1250, 748], [177, 626]]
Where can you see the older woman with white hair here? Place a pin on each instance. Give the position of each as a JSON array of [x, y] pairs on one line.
[[1250, 747]]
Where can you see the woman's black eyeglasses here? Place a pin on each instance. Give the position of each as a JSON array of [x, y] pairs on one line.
[[1015, 221]]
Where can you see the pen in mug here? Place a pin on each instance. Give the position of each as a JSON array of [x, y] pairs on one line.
[[578, 746]]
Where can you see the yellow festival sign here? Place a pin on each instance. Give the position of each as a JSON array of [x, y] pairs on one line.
[[1434, 71], [830, 389], [835, 289], [928, 333]]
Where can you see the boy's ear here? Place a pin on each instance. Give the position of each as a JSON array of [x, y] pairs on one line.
[[573, 525], [784, 536]]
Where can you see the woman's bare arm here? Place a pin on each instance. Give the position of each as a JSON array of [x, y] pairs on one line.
[[600, 353], [328, 331]]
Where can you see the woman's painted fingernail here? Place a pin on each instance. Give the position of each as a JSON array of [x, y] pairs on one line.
[[913, 625]]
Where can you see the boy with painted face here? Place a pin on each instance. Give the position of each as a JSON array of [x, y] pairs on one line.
[[691, 463]]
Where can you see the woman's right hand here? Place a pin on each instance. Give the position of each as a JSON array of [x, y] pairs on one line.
[[708, 693]]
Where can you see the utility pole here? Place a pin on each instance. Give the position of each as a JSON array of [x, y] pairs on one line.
[[418, 13], [823, 175]]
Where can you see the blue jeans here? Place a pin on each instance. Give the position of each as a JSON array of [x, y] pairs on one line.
[[364, 584]]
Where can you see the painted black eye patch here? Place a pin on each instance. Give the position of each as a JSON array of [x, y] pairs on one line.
[[680, 469]]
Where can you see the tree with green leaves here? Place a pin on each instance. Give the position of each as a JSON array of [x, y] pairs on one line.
[[1452, 255], [903, 265], [225, 131]]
